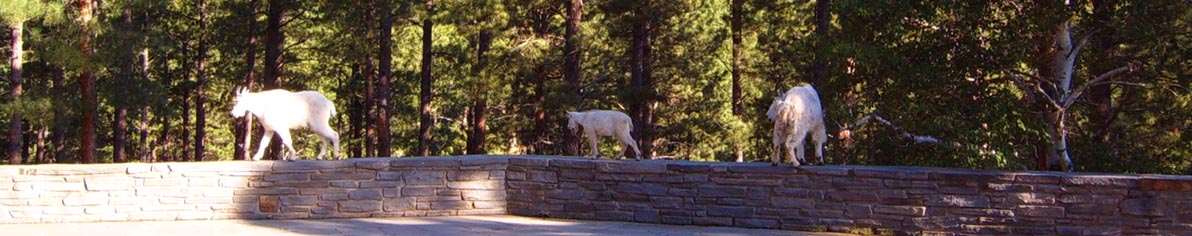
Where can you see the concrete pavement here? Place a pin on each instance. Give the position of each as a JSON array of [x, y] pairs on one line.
[[451, 225]]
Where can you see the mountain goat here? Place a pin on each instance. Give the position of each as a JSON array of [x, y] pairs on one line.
[[280, 110], [796, 114], [600, 123]]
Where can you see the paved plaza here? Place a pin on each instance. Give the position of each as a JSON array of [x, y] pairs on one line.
[[450, 225]]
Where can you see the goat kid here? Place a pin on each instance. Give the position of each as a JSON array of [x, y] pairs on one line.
[[600, 123]]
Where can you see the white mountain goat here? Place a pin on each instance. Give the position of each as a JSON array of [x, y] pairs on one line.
[[280, 110], [600, 123], [796, 114]]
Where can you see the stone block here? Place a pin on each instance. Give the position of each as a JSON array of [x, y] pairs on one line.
[[477, 185], [959, 201], [643, 189], [1040, 211], [381, 184], [389, 175], [371, 163], [635, 167], [793, 203], [41, 186], [1101, 180], [344, 184], [450, 205], [721, 191], [769, 182], [309, 166], [1144, 207], [427, 162], [729, 211], [573, 163], [425, 178], [468, 175], [298, 200], [288, 177], [399, 204], [264, 191], [359, 206], [108, 183], [916, 211], [529, 162], [343, 176], [853, 196], [417, 191], [484, 196], [764, 169], [365, 194], [1031, 198], [676, 220], [673, 179], [1166, 183], [645, 215], [484, 160]]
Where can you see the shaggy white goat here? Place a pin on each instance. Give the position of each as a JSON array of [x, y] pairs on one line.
[[796, 114], [600, 123], [280, 110]]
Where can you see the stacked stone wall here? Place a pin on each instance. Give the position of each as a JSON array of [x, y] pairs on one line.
[[931, 201], [370, 187]]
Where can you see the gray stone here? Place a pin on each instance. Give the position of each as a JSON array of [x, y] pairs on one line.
[[917, 211], [298, 200], [721, 191], [726, 211], [365, 194], [380, 184], [417, 191], [359, 206], [343, 176], [959, 201], [635, 167], [467, 175], [1040, 211], [644, 189], [426, 162], [1101, 180], [1144, 207], [425, 178], [399, 204]]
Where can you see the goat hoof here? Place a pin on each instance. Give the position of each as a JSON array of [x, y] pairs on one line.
[[773, 163]]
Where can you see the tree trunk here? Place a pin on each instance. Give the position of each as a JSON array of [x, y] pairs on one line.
[[58, 136], [14, 132], [426, 122], [642, 110], [477, 121], [201, 78], [823, 20], [540, 122], [274, 46], [243, 129], [737, 24], [572, 70], [90, 101], [385, 69], [120, 116]]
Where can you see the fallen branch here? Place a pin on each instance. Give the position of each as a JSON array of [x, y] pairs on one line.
[[846, 132]]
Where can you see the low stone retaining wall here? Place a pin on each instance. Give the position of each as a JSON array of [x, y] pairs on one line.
[[931, 201], [370, 187], [859, 199]]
